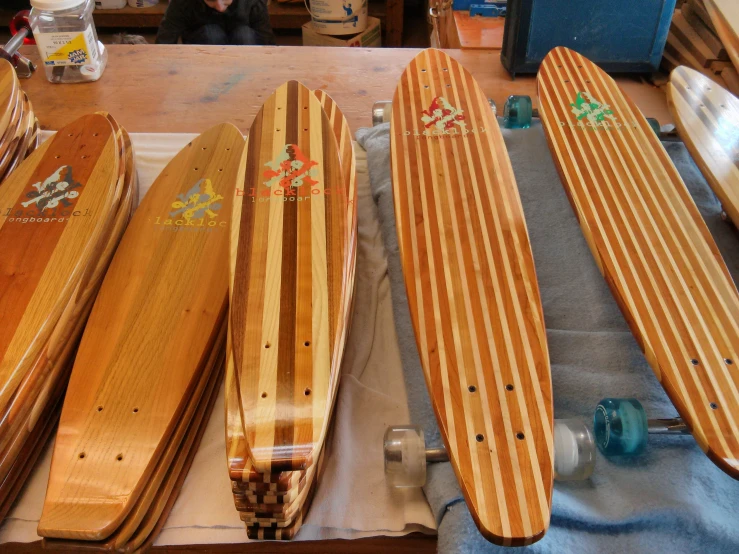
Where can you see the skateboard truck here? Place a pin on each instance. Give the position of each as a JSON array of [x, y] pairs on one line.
[[20, 28], [406, 455], [621, 427]]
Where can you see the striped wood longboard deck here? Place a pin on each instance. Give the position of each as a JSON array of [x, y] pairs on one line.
[[9, 94], [289, 279], [651, 245], [473, 296], [53, 211], [155, 320], [707, 118]]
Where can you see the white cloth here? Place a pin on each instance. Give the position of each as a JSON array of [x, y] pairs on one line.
[[352, 500]]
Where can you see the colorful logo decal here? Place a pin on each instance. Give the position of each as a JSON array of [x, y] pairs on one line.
[[587, 107], [442, 115], [195, 211], [291, 169], [59, 188], [200, 200]]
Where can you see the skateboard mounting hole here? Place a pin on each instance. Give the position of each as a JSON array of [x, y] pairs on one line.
[[95, 134], [480, 438], [70, 135], [267, 345], [703, 106], [119, 457], [264, 395], [305, 107], [559, 66], [425, 86], [694, 361], [135, 410], [567, 80], [220, 169], [205, 147], [472, 388], [728, 361], [444, 69], [423, 70], [278, 130], [520, 436], [57, 157], [588, 82], [100, 408], [194, 168], [509, 387], [82, 455], [84, 156], [305, 129], [307, 343], [307, 392], [448, 86], [227, 149], [713, 406]]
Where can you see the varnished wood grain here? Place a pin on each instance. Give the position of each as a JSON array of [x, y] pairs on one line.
[[707, 118], [724, 15], [288, 280], [651, 244], [45, 257], [9, 88], [473, 297], [155, 319]]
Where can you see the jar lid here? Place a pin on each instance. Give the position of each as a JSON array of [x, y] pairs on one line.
[[56, 5]]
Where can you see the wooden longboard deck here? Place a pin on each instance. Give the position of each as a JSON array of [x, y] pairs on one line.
[[155, 319], [54, 364], [161, 483], [724, 15], [288, 280], [707, 118], [54, 209], [473, 296], [651, 245]]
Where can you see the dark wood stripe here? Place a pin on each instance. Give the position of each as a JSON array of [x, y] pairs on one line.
[[285, 412]]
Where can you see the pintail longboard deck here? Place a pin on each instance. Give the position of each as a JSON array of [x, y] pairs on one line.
[[473, 296], [55, 210], [707, 118], [273, 505], [651, 244], [154, 323], [289, 275]]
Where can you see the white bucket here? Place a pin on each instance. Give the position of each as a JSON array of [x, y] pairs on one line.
[[338, 17]]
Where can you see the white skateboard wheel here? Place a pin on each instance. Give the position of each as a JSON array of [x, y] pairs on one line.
[[574, 450]]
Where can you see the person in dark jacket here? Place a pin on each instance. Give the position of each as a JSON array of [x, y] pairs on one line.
[[216, 22]]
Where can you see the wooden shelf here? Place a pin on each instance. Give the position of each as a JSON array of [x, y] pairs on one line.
[[282, 16], [131, 17]]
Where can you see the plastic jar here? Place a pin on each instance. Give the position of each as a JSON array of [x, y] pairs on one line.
[[67, 40]]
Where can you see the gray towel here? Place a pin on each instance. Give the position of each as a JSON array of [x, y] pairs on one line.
[[672, 499]]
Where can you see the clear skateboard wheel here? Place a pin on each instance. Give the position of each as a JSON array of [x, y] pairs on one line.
[[574, 450], [405, 456], [620, 426], [517, 112]]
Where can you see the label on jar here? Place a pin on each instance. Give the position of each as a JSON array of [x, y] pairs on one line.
[[77, 48]]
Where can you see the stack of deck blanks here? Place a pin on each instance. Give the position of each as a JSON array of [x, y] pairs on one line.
[[19, 129], [293, 254], [62, 214], [150, 362], [694, 42]]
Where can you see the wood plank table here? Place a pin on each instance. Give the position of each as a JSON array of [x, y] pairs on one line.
[[178, 88], [190, 88]]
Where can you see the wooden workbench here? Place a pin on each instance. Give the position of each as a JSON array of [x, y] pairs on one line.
[[190, 88]]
